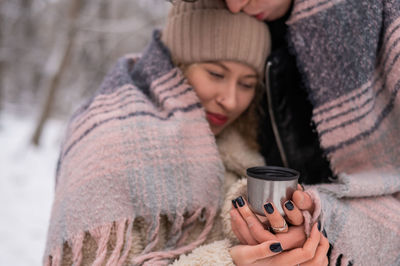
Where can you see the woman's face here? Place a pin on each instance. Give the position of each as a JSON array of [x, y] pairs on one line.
[[225, 89]]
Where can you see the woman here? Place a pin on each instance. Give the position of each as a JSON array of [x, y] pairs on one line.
[[336, 118], [140, 178]]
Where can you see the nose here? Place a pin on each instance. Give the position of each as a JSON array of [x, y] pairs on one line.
[[227, 97], [236, 5]]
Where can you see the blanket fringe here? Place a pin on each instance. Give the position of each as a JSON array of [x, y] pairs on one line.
[[120, 229], [334, 256], [192, 218], [188, 225], [76, 246], [162, 257], [124, 240], [55, 258], [128, 242], [153, 235], [310, 219], [101, 235], [345, 261]]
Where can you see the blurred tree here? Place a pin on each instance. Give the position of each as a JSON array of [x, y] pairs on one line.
[[55, 80], [52, 59]]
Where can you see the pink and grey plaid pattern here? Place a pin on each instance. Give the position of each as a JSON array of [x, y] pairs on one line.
[[140, 147], [349, 53]]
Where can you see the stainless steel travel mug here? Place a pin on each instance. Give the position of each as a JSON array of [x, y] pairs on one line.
[[270, 183]]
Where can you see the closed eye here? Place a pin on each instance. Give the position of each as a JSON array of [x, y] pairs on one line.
[[247, 85], [216, 75]]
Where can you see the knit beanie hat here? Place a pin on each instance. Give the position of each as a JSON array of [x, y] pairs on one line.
[[207, 31]]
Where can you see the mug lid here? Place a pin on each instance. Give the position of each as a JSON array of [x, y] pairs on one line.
[[273, 173]]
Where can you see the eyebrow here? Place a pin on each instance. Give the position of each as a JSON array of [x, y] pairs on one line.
[[227, 69]]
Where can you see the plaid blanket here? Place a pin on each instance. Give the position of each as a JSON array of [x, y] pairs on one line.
[[349, 54], [141, 147]]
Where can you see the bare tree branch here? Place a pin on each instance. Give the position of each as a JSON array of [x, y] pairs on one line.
[[55, 80]]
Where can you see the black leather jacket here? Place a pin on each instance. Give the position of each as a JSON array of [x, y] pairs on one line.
[[287, 135]]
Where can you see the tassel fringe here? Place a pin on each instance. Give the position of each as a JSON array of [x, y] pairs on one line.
[[124, 240], [118, 245], [101, 234], [128, 242], [162, 257], [77, 244]]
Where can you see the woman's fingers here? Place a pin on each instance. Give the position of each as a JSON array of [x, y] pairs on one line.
[[300, 255], [293, 214], [303, 201], [320, 257], [240, 228], [255, 227], [277, 222], [294, 238], [234, 217], [245, 254]]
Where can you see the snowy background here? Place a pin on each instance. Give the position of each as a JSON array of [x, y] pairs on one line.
[[26, 188], [53, 56]]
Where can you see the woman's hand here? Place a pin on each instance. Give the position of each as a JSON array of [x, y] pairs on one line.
[[313, 252], [251, 231], [262, 9], [248, 255]]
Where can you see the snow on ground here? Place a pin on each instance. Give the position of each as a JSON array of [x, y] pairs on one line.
[[26, 188]]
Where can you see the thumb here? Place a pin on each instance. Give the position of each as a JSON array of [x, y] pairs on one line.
[[245, 254], [303, 201]]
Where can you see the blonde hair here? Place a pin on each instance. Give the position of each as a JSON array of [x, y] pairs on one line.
[[247, 123]]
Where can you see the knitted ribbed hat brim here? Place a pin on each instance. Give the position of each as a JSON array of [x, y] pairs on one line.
[[207, 31]]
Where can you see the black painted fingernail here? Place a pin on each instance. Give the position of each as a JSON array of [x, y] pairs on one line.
[[234, 204], [319, 226], [240, 201], [276, 247], [324, 233], [289, 205], [268, 207]]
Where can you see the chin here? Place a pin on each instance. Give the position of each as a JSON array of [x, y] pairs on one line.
[[217, 130]]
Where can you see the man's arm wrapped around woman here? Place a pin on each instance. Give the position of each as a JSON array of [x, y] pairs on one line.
[[348, 55]]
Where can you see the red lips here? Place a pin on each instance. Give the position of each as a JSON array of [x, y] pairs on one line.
[[260, 16], [216, 119]]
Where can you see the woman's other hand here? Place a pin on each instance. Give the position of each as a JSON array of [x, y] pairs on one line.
[[312, 253], [262, 9]]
